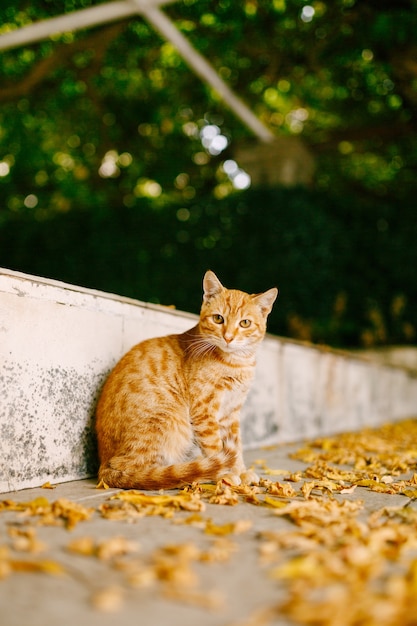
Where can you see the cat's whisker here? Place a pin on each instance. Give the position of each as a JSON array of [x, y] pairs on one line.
[[200, 347], [199, 340]]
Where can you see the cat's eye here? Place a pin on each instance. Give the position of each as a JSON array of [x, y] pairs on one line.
[[245, 323], [218, 319]]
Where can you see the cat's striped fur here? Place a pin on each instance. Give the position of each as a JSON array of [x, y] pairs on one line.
[[168, 414]]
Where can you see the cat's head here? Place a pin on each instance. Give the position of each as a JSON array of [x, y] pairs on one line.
[[233, 320]]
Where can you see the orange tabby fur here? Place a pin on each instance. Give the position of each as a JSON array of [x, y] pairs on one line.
[[168, 414]]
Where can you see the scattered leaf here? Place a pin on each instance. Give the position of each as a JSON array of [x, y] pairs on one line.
[[330, 550], [86, 546], [103, 550], [61, 511], [347, 490], [410, 493], [195, 519], [46, 566], [115, 546], [25, 540], [283, 490], [275, 504], [211, 600], [238, 527], [224, 494], [102, 485], [109, 599], [220, 551], [157, 504], [275, 472], [71, 512]]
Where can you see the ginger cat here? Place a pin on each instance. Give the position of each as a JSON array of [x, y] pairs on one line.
[[168, 414]]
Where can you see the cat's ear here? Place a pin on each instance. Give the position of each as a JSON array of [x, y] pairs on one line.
[[211, 285], [266, 300]]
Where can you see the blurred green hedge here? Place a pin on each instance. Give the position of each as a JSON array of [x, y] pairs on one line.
[[346, 268]]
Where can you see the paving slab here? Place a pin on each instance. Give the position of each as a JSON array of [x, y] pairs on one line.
[[229, 592]]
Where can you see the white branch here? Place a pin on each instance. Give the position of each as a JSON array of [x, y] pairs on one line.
[[203, 69], [84, 18]]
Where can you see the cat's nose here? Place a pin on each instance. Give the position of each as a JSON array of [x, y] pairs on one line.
[[228, 337]]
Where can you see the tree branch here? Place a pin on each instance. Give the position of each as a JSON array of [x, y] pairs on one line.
[[60, 57]]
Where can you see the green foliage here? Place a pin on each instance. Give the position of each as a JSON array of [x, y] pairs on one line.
[[343, 79]]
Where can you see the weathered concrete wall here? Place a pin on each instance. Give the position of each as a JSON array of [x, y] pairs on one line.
[[58, 342]]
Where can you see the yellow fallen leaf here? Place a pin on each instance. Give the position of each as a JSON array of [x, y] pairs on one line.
[[211, 600], [34, 507], [108, 600], [115, 546], [104, 550], [347, 490], [273, 542], [228, 528], [185, 501], [142, 576], [319, 512], [45, 566], [5, 569], [71, 512], [203, 487], [299, 567], [195, 519], [327, 444], [307, 488], [294, 477], [172, 564], [387, 479], [325, 485], [366, 482], [241, 526], [376, 485], [410, 493], [275, 472], [25, 540], [125, 511], [137, 497], [281, 489], [220, 551], [48, 485], [83, 545], [102, 485], [224, 494], [51, 513], [275, 504]]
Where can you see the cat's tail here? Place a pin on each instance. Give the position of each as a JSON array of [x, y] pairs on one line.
[[126, 473]]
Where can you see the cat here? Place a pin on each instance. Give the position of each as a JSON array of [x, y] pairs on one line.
[[168, 414]]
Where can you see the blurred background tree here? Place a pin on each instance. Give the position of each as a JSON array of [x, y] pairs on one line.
[[120, 170]]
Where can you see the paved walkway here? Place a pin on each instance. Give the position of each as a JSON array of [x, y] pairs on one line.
[[208, 564]]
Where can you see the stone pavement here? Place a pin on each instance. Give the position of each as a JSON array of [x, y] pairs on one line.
[[215, 578]]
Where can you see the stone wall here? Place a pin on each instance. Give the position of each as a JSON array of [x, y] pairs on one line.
[[58, 342]]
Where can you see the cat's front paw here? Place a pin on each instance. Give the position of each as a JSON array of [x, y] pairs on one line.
[[232, 479], [249, 477]]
